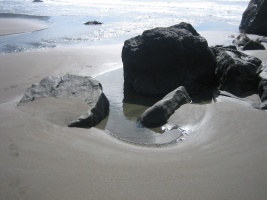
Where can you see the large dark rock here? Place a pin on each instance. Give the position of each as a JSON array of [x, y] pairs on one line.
[[162, 59], [72, 86], [263, 84], [253, 45], [236, 72], [160, 112], [254, 19]]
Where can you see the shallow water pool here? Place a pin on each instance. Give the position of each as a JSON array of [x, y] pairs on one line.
[[126, 108]]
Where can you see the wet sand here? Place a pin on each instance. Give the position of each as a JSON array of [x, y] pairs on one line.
[[19, 25], [224, 157], [19, 70]]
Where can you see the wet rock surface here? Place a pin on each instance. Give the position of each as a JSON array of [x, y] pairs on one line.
[[72, 86], [162, 59], [253, 45], [254, 19], [236, 72], [263, 84], [241, 39], [160, 112]]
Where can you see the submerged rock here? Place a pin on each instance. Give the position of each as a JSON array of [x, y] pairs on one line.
[[72, 86], [160, 112], [254, 19], [236, 72], [162, 59], [241, 40], [253, 45], [93, 23]]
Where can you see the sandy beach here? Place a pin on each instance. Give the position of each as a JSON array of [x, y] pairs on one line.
[[223, 158], [19, 25]]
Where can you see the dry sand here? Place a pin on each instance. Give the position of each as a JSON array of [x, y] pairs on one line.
[[223, 158]]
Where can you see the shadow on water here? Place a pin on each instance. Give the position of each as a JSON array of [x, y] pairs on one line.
[[126, 106], [131, 97], [203, 98]]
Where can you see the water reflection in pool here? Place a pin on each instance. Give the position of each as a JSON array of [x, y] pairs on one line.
[[126, 108]]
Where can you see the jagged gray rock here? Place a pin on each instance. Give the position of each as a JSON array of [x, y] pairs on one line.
[[241, 39], [72, 86], [254, 19], [236, 72], [162, 59], [160, 112]]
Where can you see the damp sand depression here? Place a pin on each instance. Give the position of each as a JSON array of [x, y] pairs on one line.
[[223, 156]]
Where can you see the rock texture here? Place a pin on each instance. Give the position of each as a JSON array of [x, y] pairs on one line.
[[160, 112], [253, 45], [236, 72], [162, 59], [244, 40], [232, 47], [72, 86], [263, 85], [254, 19]]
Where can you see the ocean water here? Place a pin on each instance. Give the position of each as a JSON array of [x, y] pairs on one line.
[[121, 19]]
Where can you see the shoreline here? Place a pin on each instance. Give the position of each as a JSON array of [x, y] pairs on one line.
[[17, 24], [224, 157], [13, 25]]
